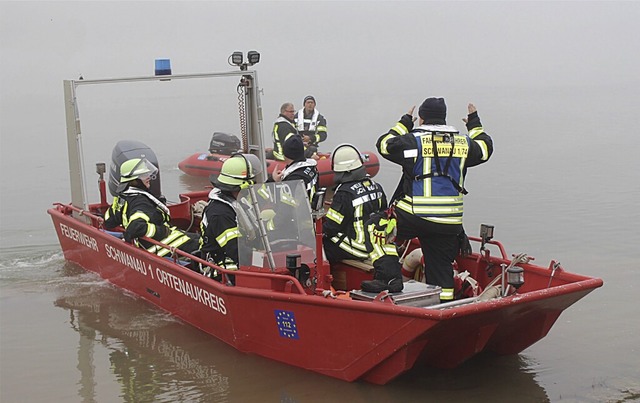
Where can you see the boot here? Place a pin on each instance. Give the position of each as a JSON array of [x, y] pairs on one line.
[[376, 286]]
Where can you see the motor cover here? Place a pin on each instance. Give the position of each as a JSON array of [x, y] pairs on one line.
[[125, 150], [225, 144]]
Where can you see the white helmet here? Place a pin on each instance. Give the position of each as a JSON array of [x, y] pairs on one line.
[[346, 158]]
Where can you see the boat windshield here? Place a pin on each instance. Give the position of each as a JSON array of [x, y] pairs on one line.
[[286, 214]]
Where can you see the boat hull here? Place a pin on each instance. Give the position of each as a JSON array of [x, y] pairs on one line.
[[205, 164], [265, 314]]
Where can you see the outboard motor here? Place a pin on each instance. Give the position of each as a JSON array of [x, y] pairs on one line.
[[124, 151], [225, 144]]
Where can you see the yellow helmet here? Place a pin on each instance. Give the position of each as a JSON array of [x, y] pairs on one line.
[[238, 172], [346, 158], [137, 168]]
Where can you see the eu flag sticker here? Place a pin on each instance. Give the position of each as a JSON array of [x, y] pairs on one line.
[[286, 324]]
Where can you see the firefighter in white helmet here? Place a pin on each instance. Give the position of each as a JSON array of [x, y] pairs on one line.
[[357, 197]]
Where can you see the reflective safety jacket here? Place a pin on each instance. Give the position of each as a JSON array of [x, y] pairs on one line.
[[283, 128], [434, 160], [313, 125], [353, 203], [219, 230], [307, 171], [142, 214]]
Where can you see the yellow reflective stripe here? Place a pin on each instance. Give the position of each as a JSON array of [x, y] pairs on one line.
[[349, 244], [446, 294], [435, 199], [483, 147], [355, 252], [358, 225], [376, 253], [400, 129], [174, 239], [473, 133], [427, 214], [383, 144], [231, 233], [382, 250], [137, 215], [228, 264], [333, 215]]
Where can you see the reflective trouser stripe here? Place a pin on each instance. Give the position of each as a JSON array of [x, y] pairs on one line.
[[358, 250], [382, 250], [175, 239], [446, 294]]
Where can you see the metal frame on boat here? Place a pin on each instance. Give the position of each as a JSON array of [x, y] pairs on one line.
[[304, 321]]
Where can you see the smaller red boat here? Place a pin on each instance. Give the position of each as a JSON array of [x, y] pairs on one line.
[[207, 163]]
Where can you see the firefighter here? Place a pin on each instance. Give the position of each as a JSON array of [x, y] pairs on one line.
[[283, 128], [219, 228], [429, 199], [142, 214], [355, 198], [297, 166], [311, 125]]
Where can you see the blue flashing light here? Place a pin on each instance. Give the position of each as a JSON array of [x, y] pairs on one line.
[[163, 67]]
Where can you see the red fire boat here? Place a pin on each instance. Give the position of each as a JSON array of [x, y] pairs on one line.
[[288, 305]]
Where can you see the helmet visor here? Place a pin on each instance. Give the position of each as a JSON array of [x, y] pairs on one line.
[[256, 168], [145, 170]]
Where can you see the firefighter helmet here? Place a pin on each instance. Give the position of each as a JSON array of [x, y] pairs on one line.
[[137, 168], [346, 158], [238, 172]]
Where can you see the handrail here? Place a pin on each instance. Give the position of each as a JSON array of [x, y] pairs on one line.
[[177, 252], [503, 252], [99, 221]]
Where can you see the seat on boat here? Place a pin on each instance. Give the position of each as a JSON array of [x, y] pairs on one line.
[[365, 265]]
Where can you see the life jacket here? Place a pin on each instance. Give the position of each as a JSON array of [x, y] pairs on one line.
[[437, 180], [311, 123]]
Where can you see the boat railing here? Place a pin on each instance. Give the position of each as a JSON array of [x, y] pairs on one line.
[[498, 244], [177, 254], [67, 209]]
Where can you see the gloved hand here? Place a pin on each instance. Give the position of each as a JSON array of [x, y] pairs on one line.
[[382, 229], [128, 238]]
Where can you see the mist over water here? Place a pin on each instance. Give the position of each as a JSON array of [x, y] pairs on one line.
[[556, 86]]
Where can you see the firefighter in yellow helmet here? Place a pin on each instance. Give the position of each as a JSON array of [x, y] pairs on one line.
[[219, 226], [142, 214]]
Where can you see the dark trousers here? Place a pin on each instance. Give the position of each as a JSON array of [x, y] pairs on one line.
[[439, 244], [334, 253]]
